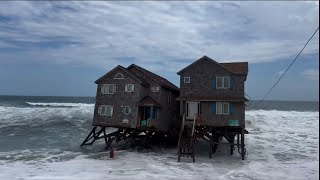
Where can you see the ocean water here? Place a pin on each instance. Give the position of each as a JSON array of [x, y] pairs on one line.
[[40, 138]]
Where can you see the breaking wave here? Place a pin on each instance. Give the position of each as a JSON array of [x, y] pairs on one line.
[[54, 104], [41, 141]]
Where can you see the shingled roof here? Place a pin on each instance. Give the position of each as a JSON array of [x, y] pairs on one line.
[[162, 81], [237, 67], [125, 70], [148, 101], [233, 67]]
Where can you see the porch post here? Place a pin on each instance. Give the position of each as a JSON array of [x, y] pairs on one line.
[[151, 113], [181, 107]]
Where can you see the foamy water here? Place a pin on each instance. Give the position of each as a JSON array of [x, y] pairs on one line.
[[41, 141]]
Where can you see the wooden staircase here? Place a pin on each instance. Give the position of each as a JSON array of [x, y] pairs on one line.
[[186, 139]]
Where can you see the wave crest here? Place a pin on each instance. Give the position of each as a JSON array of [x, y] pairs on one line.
[[54, 104]]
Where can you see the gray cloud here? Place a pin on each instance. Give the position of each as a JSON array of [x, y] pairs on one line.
[[164, 36]]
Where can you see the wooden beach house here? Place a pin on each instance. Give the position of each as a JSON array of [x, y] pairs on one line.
[[212, 104], [133, 100]]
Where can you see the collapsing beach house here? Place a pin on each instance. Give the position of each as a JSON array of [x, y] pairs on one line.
[[134, 100], [212, 103], [137, 101]]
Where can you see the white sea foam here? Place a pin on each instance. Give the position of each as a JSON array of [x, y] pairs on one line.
[[54, 104], [30, 115], [281, 145]]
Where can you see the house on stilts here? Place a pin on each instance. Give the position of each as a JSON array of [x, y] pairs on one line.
[[209, 105], [212, 105], [135, 101]]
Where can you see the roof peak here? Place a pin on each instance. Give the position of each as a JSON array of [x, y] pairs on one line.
[[230, 68]]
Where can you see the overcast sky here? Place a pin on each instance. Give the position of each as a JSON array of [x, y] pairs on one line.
[[61, 48]]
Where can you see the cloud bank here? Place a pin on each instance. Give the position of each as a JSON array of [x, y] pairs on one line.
[[162, 36]]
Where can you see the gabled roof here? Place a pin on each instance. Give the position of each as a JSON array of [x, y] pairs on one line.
[[125, 70], [148, 101], [162, 81], [234, 68], [237, 67]]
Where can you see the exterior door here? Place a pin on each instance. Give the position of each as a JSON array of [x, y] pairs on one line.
[[192, 109]]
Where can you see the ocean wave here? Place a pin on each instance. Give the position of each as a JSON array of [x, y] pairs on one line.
[[55, 104], [12, 116]]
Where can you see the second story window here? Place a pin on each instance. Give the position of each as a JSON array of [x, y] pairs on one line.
[[186, 79], [129, 88], [155, 89], [223, 82], [108, 88]]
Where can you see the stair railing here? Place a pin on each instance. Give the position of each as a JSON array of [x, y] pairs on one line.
[[193, 127]]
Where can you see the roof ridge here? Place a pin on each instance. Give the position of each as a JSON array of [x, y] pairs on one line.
[[162, 80]]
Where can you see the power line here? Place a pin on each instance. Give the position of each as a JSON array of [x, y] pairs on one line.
[[288, 67]]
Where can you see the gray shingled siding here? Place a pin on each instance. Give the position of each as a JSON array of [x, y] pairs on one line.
[[202, 75], [120, 98], [170, 110], [209, 118], [166, 113]]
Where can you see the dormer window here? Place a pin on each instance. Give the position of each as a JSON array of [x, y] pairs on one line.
[[118, 76], [186, 79], [223, 82]]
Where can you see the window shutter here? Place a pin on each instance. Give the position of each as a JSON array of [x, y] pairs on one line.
[[99, 110], [114, 88], [214, 83], [111, 110], [214, 107], [190, 79], [132, 87], [231, 109], [126, 88]]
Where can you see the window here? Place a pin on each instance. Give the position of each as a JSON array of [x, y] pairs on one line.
[[169, 96], [118, 76], [223, 82], [226, 108], [105, 110], [155, 89], [108, 88], [126, 110], [186, 79], [129, 88], [219, 108], [222, 108]]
